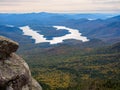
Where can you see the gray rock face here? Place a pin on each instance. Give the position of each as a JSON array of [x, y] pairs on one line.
[[7, 47], [14, 72]]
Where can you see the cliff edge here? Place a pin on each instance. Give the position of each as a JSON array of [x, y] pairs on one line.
[[14, 71]]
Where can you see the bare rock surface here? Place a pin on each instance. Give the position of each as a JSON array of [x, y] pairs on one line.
[[14, 72], [7, 47]]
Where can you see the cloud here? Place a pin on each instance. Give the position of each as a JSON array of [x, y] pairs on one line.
[[60, 5], [18, 0]]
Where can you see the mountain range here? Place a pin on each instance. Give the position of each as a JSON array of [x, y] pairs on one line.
[[73, 64], [104, 27]]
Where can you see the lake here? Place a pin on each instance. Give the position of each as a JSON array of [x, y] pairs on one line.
[[39, 38]]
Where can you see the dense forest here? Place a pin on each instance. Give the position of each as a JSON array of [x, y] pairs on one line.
[[68, 67]]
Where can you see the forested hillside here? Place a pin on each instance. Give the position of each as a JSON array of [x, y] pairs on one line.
[[68, 67]]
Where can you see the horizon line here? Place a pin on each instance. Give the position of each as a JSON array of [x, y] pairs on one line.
[[60, 12]]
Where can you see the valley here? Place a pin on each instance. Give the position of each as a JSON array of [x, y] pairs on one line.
[[68, 51]]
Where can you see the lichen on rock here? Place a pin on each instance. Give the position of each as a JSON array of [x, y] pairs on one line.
[[14, 72]]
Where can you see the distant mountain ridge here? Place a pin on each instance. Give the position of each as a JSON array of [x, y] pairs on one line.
[[107, 29], [94, 26], [46, 18]]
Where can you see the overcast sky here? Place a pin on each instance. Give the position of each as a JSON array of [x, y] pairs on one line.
[[72, 6]]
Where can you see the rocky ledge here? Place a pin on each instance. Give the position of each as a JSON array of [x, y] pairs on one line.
[[14, 71]]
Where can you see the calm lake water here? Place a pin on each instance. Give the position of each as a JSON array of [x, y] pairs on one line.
[[39, 38]]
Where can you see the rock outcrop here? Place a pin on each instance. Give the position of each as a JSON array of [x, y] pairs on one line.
[[14, 71]]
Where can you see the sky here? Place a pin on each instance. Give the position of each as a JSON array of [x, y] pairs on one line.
[[64, 6]]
